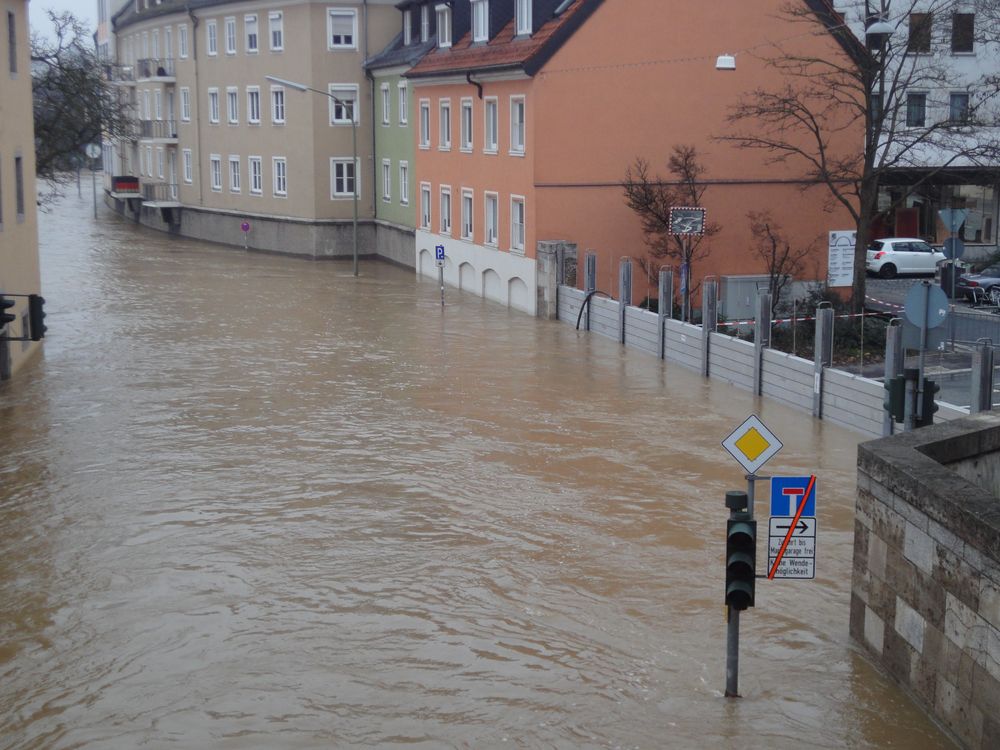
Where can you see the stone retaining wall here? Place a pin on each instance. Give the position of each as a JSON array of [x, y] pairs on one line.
[[925, 599]]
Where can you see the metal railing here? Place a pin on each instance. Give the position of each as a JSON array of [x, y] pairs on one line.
[[157, 128], [153, 67], [120, 73], [159, 191]]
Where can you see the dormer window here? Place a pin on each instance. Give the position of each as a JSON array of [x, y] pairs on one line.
[[480, 20], [443, 25], [407, 15], [523, 17], [425, 23]]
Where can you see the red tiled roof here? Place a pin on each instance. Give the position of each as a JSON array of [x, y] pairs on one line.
[[503, 51]]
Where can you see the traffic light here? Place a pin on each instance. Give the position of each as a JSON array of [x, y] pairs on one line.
[[36, 314], [927, 405], [6, 317], [741, 557], [895, 397]]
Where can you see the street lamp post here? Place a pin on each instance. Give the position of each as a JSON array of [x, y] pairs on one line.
[[354, 145]]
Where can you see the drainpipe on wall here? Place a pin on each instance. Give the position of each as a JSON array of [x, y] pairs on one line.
[[197, 93], [371, 92]]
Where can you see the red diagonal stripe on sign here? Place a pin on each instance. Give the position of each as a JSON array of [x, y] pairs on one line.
[[791, 530]]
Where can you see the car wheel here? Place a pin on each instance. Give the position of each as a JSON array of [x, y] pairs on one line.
[[994, 295], [888, 271]]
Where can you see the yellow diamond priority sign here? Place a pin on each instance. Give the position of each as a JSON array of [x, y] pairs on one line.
[[752, 444]]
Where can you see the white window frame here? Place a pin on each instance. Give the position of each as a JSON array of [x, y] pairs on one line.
[[515, 235], [211, 38], [344, 161], [351, 13], [386, 104], [490, 146], [425, 206], [213, 106], [155, 49], [425, 124], [256, 176], [403, 92], [235, 185], [187, 162], [275, 120], [253, 112], [466, 126], [480, 20], [232, 105], [404, 183], [168, 42], [518, 148], [182, 41], [215, 172], [444, 209], [279, 171], [387, 180], [407, 27], [158, 104], [443, 12], [159, 162], [347, 93], [523, 20], [425, 23], [444, 124], [229, 25], [495, 228], [146, 109], [250, 21], [276, 25], [149, 161], [468, 213]]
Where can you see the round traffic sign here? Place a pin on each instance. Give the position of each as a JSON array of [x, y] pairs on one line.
[[92, 150], [245, 226], [926, 305], [953, 248]]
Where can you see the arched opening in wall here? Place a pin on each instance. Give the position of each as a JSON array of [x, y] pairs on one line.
[[467, 277], [425, 262], [492, 285], [518, 295]]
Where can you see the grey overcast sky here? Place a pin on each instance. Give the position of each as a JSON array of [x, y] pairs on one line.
[[85, 10]]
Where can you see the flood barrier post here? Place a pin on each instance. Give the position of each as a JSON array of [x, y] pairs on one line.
[[761, 340], [664, 299], [894, 356], [823, 353], [982, 377], [590, 279], [624, 294], [709, 319]]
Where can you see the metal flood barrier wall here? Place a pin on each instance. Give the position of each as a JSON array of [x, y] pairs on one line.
[[847, 400]]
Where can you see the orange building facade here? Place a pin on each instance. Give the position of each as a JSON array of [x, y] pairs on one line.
[[525, 129]]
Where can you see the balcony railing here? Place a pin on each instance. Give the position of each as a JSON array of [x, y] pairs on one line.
[[152, 67], [159, 192], [122, 74], [163, 129]]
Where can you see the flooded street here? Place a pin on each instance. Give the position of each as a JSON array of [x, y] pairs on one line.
[[250, 501]]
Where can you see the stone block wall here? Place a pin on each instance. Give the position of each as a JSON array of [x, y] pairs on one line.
[[925, 600]]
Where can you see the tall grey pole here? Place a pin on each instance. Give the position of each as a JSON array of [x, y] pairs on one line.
[[93, 184], [923, 349], [590, 280], [823, 357], [736, 502], [357, 168], [709, 318], [761, 340], [624, 292], [894, 360], [661, 310], [982, 377]]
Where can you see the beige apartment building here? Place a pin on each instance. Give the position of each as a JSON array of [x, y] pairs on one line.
[[217, 146], [18, 211]]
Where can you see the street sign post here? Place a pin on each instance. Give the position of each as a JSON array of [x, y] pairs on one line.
[[93, 151], [439, 259], [245, 226], [926, 307], [752, 445]]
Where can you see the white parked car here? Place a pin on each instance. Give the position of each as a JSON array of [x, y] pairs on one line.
[[893, 255]]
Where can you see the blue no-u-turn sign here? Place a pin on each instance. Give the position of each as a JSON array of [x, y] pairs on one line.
[[439, 252], [786, 494]]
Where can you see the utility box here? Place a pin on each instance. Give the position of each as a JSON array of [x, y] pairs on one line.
[[739, 296]]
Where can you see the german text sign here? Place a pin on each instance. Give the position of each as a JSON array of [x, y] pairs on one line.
[[799, 557]]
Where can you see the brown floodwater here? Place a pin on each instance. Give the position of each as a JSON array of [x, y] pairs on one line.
[[250, 501]]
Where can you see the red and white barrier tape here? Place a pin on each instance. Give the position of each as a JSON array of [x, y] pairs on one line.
[[803, 319]]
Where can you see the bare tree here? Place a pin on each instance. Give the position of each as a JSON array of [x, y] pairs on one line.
[[73, 101], [771, 246], [849, 121], [652, 197]]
